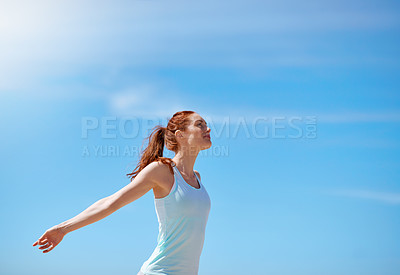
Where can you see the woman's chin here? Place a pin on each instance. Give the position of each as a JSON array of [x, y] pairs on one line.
[[207, 146]]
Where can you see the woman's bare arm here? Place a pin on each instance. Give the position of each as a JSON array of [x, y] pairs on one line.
[[97, 211], [146, 180], [140, 185]]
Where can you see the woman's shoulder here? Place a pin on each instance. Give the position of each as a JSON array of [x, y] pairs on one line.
[[159, 170], [162, 175]]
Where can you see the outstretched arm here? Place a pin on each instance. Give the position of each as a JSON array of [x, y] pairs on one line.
[[141, 184]]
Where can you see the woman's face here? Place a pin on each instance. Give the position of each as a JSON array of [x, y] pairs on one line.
[[197, 135]]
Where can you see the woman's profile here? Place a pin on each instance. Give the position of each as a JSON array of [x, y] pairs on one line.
[[182, 202]]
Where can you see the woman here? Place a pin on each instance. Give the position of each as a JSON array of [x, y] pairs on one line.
[[182, 203]]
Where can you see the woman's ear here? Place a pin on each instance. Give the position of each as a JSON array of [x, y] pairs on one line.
[[178, 133]]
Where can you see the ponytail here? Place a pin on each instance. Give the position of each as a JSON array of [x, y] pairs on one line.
[[153, 152]]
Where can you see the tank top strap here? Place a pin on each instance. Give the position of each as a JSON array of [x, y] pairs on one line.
[[176, 174], [174, 168], [198, 180]]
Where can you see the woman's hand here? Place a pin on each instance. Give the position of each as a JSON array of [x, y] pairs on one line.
[[50, 239]]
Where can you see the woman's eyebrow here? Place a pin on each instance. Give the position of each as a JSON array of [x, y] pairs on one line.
[[201, 120]]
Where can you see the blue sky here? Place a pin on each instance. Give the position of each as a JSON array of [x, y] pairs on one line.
[[304, 107]]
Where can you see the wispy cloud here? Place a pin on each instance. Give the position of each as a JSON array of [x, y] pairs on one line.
[[385, 197], [149, 100], [145, 101], [48, 37]]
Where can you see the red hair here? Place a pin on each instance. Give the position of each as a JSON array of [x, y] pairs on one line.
[[159, 136]]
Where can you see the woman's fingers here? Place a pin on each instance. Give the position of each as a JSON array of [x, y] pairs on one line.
[[40, 241], [48, 250], [45, 246]]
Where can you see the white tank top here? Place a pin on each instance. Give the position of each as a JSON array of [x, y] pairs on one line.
[[182, 217]]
